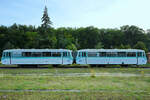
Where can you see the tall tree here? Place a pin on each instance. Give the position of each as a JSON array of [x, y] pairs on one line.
[[46, 22]]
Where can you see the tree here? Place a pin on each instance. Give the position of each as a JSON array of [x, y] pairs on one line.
[[125, 46], [111, 38], [88, 37], [133, 34], [32, 38], [99, 46], [8, 45], [121, 46], [141, 45], [46, 23], [71, 47]]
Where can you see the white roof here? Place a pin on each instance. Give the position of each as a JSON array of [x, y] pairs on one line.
[[110, 50], [37, 50]]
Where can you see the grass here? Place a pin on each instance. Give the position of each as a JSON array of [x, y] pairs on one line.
[[73, 96], [74, 70], [76, 83], [146, 65], [91, 87], [98, 88]]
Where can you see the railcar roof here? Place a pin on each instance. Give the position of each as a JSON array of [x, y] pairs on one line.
[[111, 50], [36, 50]]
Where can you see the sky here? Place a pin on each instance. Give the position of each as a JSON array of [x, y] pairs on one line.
[[77, 13]]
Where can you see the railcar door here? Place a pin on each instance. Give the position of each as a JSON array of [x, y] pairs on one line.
[[64, 57], [84, 57], [137, 58], [9, 56]]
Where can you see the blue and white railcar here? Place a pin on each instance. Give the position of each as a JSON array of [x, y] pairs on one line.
[[111, 56], [36, 56]]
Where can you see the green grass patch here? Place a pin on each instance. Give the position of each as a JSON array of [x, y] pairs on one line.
[[75, 70], [74, 96], [76, 83], [92, 87]]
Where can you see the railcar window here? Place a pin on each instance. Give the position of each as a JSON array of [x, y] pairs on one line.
[[111, 54], [16, 54], [65, 54], [56, 54], [46, 54], [68, 54], [92, 54], [121, 54], [36, 54], [143, 54], [139, 54], [74, 54], [102, 54], [131, 54], [7, 54], [26, 54], [3, 54], [80, 54], [83, 54]]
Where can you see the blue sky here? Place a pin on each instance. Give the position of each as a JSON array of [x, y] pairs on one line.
[[77, 13]]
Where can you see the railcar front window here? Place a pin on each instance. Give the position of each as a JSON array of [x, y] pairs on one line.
[[7, 54], [139, 54], [3, 54]]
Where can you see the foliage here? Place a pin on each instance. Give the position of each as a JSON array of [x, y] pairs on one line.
[[22, 36], [45, 19], [140, 45], [125, 46], [71, 47], [99, 46]]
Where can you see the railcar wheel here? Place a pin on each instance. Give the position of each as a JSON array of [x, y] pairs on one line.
[[124, 65], [55, 65]]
